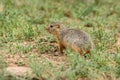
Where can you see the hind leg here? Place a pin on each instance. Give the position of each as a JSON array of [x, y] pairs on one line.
[[80, 51], [77, 49]]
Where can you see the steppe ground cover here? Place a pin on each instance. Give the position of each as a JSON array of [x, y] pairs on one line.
[[25, 42]]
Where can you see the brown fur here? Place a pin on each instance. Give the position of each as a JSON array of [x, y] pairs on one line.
[[78, 40]]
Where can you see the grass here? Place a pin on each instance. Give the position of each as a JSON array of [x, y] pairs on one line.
[[22, 31]]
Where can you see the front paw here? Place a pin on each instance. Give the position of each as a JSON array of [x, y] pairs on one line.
[[58, 54]]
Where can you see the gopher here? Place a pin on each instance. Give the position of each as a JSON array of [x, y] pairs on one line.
[[75, 39]]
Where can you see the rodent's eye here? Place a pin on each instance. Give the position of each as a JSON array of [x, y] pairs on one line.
[[51, 26]]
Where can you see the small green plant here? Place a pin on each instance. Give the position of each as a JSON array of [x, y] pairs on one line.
[[28, 32], [40, 68], [25, 21], [20, 48]]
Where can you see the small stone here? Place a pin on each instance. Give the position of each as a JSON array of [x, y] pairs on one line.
[[21, 72]]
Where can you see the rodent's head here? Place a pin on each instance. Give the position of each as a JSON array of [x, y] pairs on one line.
[[55, 28]]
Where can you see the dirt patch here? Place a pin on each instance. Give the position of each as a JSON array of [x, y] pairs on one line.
[[19, 72], [56, 60], [16, 60], [22, 60]]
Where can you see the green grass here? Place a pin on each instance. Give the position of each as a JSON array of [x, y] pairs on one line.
[[22, 29]]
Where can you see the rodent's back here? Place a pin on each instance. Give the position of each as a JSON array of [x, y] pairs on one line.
[[76, 37]]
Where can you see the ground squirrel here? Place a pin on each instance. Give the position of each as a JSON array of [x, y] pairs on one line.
[[76, 39]]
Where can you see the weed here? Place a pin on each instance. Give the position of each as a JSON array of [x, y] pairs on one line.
[[25, 21]]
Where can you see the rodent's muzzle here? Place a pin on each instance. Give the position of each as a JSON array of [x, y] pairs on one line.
[[47, 29]]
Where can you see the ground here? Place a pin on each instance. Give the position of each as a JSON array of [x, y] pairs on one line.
[[25, 42]]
